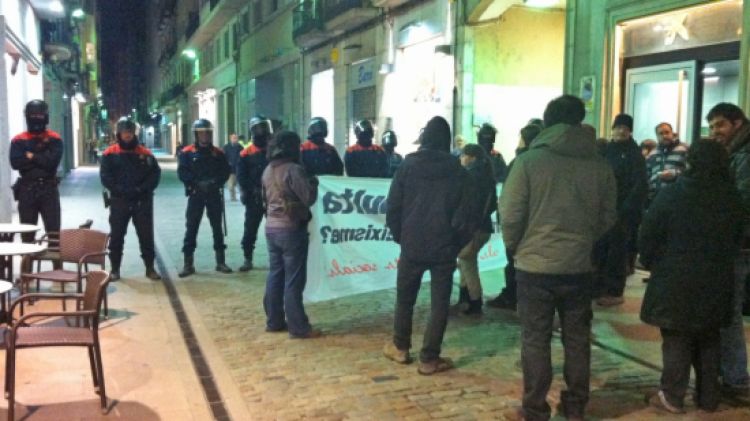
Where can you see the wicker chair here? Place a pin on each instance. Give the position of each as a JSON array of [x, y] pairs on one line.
[[22, 334], [52, 253], [79, 246]]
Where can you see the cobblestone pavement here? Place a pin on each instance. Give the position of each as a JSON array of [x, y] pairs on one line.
[[344, 376]]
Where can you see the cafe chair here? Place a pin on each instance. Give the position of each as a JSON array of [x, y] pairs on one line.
[[23, 334], [52, 253], [76, 246]]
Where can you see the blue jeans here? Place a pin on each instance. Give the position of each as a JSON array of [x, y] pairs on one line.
[[733, 348], [287, 276]]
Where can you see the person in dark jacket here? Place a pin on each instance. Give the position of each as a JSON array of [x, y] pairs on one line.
[[486, 139], [317, 156], [203, 169], [131, 174], [36, 154], [289, 191], [232, 152], [689, 239], [389, 141], [612, 252], [731, 128], [507, 297], [253, 161], [422, 203], [481, 177], [364, 159]]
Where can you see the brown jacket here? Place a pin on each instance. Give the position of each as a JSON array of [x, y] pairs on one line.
[[288, 192]]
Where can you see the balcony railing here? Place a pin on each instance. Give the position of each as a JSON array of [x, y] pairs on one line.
[[307, 17], [333, 8]]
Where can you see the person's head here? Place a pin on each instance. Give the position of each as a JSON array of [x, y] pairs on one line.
[[37, 115], [566, 109], [486, 136], [724, 121], [460, 142], [261, 130], [529, 133], [389, 141], [317, 130], [436, 135], [125, 131], [284, 145], [708, 159], [234, 138], [536, 121], [364, 132], [203, 131], [472, 153], [622, 128], [665, 134], [647, 146]]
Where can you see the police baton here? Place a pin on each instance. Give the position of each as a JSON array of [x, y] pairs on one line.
[[224, 212]]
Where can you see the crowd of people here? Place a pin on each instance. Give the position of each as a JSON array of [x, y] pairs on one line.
[[575, 212]]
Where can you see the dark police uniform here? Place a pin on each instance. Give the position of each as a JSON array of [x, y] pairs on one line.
[[320, 159], [131, 174], [394, 161], [366, 161], [36, 191], [250, 168], [203, 170]]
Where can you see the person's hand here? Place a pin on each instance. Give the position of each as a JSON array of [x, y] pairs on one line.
[[29, 155], [667, 175]]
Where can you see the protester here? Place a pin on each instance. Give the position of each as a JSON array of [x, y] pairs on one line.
[[665, 162], [288, 192], [730, 127], [689, 239], [232, 152], [558, 200], [612, 252], [423, 201], [481, 177], [317, 156], [486, 139], [364, 159], [458, 145]]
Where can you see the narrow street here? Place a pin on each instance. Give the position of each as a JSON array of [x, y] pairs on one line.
[[244, 373]]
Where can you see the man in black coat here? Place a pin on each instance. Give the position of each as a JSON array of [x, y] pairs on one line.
[[422, 204], [131, 174], [629, 167]]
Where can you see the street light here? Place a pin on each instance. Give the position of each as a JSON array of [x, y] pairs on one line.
[[189, 53], [78, 13]]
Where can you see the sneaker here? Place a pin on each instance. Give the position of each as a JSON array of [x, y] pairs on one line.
[[435, 366], [609, 301], [312, 334], [394, 354], [659, 400]]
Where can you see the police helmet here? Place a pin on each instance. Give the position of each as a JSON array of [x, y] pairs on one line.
[[37, 115], [389, 139], [125, 124], [364, 130], [203, 125], [318, 128]]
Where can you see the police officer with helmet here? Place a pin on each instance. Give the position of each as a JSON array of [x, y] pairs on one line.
[[389, 141], [364, 159], [36, 154], [203, 169], [250, 168], [131, 174], [317, 156]]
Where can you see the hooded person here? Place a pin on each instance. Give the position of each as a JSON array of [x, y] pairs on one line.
[[365, 159], [423, 202], [317, 156], [486, 139], [130, 173]]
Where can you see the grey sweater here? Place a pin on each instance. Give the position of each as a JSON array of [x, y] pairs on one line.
[[288, 192]]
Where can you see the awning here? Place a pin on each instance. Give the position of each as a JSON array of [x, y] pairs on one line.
[[17, 50]]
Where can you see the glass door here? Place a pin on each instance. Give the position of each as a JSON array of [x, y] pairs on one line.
[[663, 93]]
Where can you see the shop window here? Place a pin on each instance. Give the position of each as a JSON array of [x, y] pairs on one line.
[[720, 84]]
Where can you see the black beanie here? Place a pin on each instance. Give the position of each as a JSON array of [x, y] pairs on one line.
[[623, 120]]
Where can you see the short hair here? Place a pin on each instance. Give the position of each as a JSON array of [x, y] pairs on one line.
[[663, 123], [530, 132], [729, 111], [568, 109], [708, 159]]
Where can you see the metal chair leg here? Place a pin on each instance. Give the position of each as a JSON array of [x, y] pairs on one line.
[[100, 372], [92, 363]]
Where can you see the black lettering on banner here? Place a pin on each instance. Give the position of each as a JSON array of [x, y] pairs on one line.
[[345, 235], [350, 201]]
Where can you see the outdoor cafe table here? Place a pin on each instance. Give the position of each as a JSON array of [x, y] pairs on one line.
[[8, 231], [7, 251]]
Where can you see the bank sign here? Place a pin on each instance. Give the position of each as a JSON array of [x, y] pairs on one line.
[[362, 74], [351, 250]]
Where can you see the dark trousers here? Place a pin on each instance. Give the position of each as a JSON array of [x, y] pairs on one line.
[[408, 282], [287, 276], [539, 296], [196, 203], [611, 258], [509, 292], [702, 351], [39, 198], [142, 214], [253, 217]]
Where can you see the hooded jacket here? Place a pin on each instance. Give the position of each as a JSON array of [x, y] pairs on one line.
[[558, 200]]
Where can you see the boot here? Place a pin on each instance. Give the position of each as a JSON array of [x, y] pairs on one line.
[[248, 264], [474, 308], [463, 300], [220, 265], [188, 269], [151, 273], [115, 260]]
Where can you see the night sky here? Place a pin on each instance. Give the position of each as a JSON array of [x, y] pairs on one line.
[[122, 50]]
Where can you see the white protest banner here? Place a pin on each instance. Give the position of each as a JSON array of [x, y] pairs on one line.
[[351, 250]]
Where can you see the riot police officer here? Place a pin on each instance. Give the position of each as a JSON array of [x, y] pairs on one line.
[[389, 141], [35, 154], [317, 156], [365, 159], [131, 174], [250, 168], [486, 139], [203, 169]]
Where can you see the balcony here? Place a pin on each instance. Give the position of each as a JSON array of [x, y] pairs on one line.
[[315, 21], [308, 27], [343, 15], [171, 94]]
